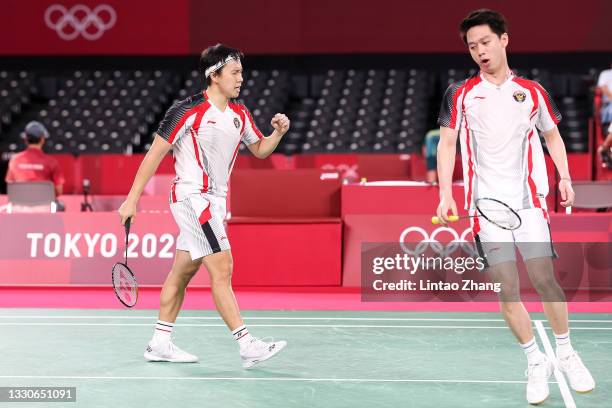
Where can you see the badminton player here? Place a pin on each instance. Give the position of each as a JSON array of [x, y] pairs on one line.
[[497, 116], [204, 132]]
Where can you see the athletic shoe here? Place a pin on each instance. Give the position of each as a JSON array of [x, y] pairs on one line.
[[168, 352], [258, 350], [579, 377], [537, 380]]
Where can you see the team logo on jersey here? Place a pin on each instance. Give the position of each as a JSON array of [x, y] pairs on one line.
[[237, 123], [519, 96]]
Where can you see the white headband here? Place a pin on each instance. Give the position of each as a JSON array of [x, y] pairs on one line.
[[219, 64]]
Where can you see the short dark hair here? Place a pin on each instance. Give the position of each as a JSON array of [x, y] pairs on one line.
[[32, 139], [493, 19], [215, 54]]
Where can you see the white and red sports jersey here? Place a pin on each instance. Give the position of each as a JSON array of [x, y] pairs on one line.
[[205, 143], [501, 152]]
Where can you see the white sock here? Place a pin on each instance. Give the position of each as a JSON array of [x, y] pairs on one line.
[[242, 336], [532, 351], [162, 332], [564, 346]]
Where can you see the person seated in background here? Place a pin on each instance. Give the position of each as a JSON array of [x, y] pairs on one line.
[[33, 164], [605, 150], [430, 151], [604, 84]]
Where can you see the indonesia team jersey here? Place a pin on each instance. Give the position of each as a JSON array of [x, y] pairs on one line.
[[500, 149], [205, 143]]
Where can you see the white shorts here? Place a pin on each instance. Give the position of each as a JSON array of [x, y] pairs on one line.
[[532, 238], [200, 218]]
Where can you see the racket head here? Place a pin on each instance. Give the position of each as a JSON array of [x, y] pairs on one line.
[[498, 213], [124, 284]]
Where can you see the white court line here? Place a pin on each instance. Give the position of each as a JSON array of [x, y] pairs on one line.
[[259, 325], [289, 379], [398, 319], [258, 318], [565, 392], [58, 324], [261, 318]]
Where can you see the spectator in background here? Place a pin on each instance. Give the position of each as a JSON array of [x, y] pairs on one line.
[[604, 83], [605, 150], [430, 151], [33, 164]]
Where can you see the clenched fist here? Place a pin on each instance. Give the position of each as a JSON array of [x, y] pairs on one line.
[[280, 123]]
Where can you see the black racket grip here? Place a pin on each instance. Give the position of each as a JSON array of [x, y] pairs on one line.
[[127, 224]]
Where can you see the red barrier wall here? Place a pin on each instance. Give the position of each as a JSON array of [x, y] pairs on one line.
[[156, 27], [108, 203], [358, 199], [63, 249], [287, 254], [580, 165], [284, 193], [114, 173]]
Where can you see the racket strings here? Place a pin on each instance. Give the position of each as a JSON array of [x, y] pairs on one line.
[[125, 284], [498, 213]]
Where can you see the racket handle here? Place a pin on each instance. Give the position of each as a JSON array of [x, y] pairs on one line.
[[451, 218], [127, 225]]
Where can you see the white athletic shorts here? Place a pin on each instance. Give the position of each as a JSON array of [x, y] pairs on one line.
[[532, 238], [200, 218]]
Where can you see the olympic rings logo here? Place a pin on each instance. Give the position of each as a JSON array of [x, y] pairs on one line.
[[438, 247], [80, 20]]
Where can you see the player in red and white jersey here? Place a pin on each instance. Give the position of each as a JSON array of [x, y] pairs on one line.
[[205, 143], [204, 132], [498, 125], [496, 116]]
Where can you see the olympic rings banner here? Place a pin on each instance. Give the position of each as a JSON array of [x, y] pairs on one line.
[[94, 27], [182, 27], [411, 234]]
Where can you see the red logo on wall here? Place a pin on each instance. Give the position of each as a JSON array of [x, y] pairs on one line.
[[80, 20]]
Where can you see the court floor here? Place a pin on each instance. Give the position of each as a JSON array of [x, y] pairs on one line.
[[333, 359]]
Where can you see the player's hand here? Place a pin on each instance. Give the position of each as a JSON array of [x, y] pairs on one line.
[[280, 123], [446, 203], [127, 210], [567, 193]]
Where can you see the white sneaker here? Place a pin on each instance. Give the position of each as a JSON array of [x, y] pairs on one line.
[[579, 377], [258, 350], [168, 352], [537, 380]]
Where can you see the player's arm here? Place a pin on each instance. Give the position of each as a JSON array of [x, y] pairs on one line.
[[159, 149], [266, 145], [449, 119], [447, 149], [547, 120], [556, 149]]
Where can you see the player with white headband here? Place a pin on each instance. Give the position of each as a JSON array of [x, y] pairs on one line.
[[204, 132]]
